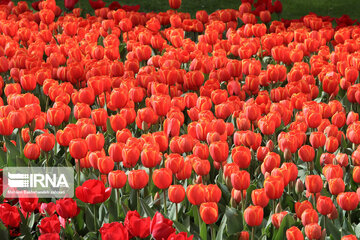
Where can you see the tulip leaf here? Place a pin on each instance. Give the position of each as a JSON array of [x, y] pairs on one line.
[[332, 229], [251, 188], [90, 236], [318, 167], [79, 221], [89, 218], [220, 233], [4, 234], [12, 154], [2, 159], [145, 207], [234, 220], [287, 222], [180, 227], [203, 231], [24, 228], [357, 230]]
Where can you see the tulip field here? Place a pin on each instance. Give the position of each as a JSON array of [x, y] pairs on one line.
[[232, 124]]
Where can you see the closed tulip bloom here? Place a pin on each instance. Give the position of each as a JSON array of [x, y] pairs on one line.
[[130, 155], [115, 151], [32, 151], [117, 179], [78, 148], [209, 212], [175, 162], [300, 207], [67, 208], [201, 167], [162, 178], [240, 180], [150, 157], [324, 205], [313, 231], [46, 141], [175, 4], [356, 174], [294, 233], [6, 128], [348, 200], [336, 186], [95, 142], [349, 237], [241, 155], [277, 218], [309, 216], [176, 193], [196, 194], [306, 153], [317, 139], [99, 116], [331, 144], [213, 193], [219, 151], [313, 183], [138, 179], [259, 197], [274, 187], [253, 215], [105, 164], [55, 116], [17, 118]]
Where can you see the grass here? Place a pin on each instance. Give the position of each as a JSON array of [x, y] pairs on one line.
[[292, 9]]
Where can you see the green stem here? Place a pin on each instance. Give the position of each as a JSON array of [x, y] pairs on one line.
[[95, 224], [165, 207], [78, 171], [20, 141], [176, 211], [199, 218], [47, 159], [138, 200], [118, 199], [252, 233], [213, 234]]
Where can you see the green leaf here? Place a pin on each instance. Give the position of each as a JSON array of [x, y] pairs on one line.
[[357, 230], [203, 231], [287, 222], [251, 188], [332, 229], [180, 227], [90, 236], [13, 153], [234, 220], [220, 233], [79, 221], [145, 206], [89, 218], [4, 234]]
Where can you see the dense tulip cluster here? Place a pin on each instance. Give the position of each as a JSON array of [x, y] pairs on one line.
[[231, 124]]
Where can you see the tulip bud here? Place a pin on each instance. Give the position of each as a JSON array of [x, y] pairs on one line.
[[144, 126], [270, 145], [311, 166], [287, 155], [228, 182], [198, 180], [323, 234], [233, 203], [278, 208], [157, 199], [299, 186]]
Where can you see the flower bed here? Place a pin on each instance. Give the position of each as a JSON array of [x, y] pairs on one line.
[[227, 126]]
